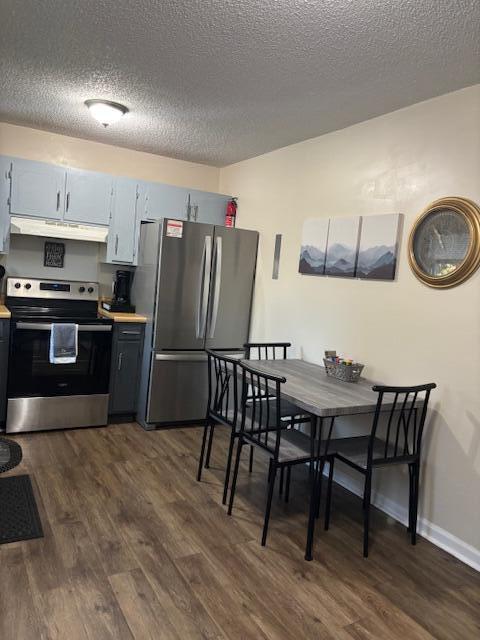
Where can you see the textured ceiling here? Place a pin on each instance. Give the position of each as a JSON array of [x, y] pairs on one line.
[[218, 81]]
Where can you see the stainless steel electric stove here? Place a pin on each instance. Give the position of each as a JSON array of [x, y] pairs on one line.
[[42, 395]]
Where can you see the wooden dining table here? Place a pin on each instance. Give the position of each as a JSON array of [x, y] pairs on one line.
[[324, 398]]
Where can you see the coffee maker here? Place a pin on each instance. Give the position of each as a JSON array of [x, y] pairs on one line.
[[121, 294]]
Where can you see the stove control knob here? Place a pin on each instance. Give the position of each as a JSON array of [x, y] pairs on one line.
[[17, 285], [28, 286], [82, 289], [90, 289]]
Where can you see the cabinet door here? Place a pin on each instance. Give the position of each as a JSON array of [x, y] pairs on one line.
[[123, 233], [38, 189], [4, 338], [88, 197], [208, 207], [5, 165], [125, 376], [165, 201]]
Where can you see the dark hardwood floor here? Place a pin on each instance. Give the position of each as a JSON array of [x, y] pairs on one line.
[[134, 547]]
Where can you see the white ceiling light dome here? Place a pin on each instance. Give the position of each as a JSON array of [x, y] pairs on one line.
[[106, 111]]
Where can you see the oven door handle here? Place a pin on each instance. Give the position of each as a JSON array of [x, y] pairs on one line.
[[39, 326]]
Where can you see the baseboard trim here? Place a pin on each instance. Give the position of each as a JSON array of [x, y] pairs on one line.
[[432, 532]]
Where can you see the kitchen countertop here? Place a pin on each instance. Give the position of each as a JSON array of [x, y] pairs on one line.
[[121, 317], [4, 312]]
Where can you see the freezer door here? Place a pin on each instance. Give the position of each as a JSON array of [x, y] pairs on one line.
[[231, 288], [183, 285], [178, 388]]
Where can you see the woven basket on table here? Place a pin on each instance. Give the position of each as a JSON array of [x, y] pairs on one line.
[[341, 371]]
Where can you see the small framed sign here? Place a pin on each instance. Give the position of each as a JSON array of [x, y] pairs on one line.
[[54, 254]]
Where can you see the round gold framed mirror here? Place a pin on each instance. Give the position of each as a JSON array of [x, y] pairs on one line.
[[444, 243]]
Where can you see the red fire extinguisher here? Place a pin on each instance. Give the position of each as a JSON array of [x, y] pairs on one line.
[[231, 213]]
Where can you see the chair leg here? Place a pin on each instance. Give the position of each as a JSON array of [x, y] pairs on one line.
[[287, 487], [271, 484], [410, 497], [250, 462], [202, 452], [328, 504], [366, 512], [229, 466], [282, 477], [311, 515], [235, 475], [209, 449], [320, 477], [416, 482]]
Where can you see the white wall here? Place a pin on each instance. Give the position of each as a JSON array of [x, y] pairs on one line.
[[27, 252], [81, 261], [404, 331], [25, 259], [33, 144]]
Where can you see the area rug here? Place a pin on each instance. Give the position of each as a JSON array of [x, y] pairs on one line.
[[19, 519]]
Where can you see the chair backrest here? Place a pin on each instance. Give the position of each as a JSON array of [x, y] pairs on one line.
[[405, 410], [261, 415], [223, 387], [266, 350]]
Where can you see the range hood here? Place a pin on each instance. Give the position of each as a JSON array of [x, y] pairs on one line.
[[57, 229]]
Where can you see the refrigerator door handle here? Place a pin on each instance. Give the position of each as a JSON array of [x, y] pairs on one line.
[[181, 357], [203, 284], [216, 286]]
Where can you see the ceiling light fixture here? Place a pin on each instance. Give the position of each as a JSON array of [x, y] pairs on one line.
[[105, 111]]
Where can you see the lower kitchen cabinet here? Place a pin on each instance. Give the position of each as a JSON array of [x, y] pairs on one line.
[[4, 340], [127, 349]]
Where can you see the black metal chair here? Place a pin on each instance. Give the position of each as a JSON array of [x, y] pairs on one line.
[[277, 351], [405, 411], [224, 381], [261, 425], [266, 350], [273, 351]]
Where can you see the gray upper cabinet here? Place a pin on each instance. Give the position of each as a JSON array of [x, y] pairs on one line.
[[125, 223], [48, 191], [38, 189], [42, 190], [88, 197], [4, 204], [208, 207], [164, 201]]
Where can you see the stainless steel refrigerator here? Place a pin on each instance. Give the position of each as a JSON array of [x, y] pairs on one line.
[[194, 282]]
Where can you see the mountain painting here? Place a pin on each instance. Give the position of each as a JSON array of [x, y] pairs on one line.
[[342, 247], [377, 254], [314, 246]]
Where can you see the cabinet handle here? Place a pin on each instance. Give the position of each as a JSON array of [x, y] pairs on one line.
[[120, 359], [58, 200], [68, 201], [116, 244], [195, 212], [130, 333]]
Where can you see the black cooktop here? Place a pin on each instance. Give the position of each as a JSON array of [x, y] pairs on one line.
[[78, 311]]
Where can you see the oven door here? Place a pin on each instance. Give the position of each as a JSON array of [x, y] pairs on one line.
[[32, 375]]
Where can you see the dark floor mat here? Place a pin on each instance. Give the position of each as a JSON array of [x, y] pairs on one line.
[[19, 519]]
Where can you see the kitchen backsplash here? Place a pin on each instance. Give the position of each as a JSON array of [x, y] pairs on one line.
[[81, 262]]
